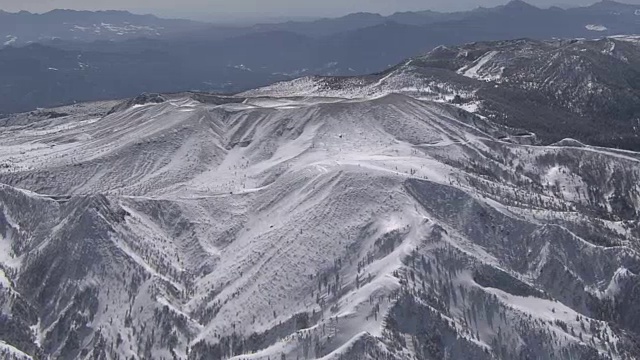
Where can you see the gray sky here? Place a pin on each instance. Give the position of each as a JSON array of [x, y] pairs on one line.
[[238, 9]]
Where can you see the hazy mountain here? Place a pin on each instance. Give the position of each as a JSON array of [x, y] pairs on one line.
[[38, 75], [327, 26], [369, 217], [25, 27], [615, 17], [606, 17]]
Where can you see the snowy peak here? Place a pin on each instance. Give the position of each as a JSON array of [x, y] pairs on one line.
[[519, 6], [549, 87]]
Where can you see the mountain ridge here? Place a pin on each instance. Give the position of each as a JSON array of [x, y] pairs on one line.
[[255, 226], [557, 80]]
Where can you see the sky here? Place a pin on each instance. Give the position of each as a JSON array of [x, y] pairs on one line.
[[217, 10]]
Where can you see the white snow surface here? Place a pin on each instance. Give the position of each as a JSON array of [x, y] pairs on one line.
[[9, 40], [12, 353], [629, 38], [240, 210], [400, 80], [118, 29], [593, 27], [479, 70]]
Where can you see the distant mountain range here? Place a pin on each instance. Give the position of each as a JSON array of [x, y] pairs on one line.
[[175, 55], [25, 27], [605, 17]]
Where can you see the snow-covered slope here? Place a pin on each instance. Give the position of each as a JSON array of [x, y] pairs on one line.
[[584, 89], [308, 227]]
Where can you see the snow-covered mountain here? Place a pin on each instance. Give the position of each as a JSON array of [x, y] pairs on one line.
[[288, 224], [584, 89]]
